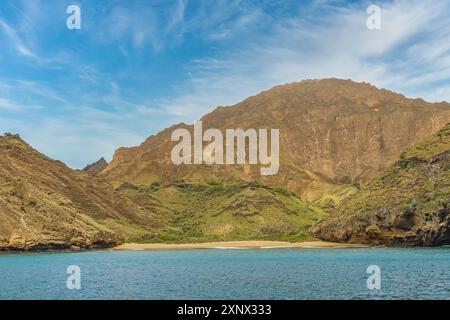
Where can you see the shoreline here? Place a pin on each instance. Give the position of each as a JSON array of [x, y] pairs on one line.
[[256, 244]]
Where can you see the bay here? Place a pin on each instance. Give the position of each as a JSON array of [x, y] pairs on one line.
[[418, 273]]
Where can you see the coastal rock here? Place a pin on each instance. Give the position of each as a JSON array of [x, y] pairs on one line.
[[406, 205]]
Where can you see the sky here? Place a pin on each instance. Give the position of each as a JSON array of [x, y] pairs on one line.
[[137, 67]]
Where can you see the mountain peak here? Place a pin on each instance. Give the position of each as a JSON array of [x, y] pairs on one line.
[[330, 90], [331, 130], [96, 167], [10, 136], [10, 142]]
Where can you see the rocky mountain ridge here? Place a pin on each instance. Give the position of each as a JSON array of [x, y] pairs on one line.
[[96, 167], [332, 132]]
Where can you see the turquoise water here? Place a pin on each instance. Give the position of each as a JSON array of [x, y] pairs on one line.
[[229, 274]]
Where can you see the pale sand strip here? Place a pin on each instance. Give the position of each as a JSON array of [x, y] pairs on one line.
[[236, 245]]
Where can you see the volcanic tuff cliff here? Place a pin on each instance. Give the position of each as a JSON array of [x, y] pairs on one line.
[[46, 205], [406, 205], [331, 132]]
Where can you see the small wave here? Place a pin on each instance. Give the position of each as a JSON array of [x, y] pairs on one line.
[[276, 247], [229, 248]]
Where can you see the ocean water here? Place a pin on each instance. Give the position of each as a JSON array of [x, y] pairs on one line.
[[229, 274]]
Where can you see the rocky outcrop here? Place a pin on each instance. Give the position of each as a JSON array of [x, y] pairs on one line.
[[22, 241], [46, 205], [96, 167], [406, 205]]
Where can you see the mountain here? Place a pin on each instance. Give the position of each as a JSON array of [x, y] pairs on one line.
[[46, 205], [96, 167], [334, 134], [406, 205]]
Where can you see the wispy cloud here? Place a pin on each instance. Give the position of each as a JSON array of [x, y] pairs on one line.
[[9, 105], [152, 25], [16, 42], [178, 15]]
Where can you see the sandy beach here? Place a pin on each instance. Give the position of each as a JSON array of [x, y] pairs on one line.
[[236, 245]]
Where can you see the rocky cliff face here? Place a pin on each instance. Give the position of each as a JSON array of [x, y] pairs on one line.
[[331, 132], [96, 167], [46, 205], [406, 205]]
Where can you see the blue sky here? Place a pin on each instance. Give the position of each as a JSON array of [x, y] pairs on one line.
[[137, 67]]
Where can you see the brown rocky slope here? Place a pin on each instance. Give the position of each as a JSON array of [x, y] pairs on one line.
[[46, 205]]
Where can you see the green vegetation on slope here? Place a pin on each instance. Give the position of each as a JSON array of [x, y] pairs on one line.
[[196, 212], [431, 147], [408, 204]]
